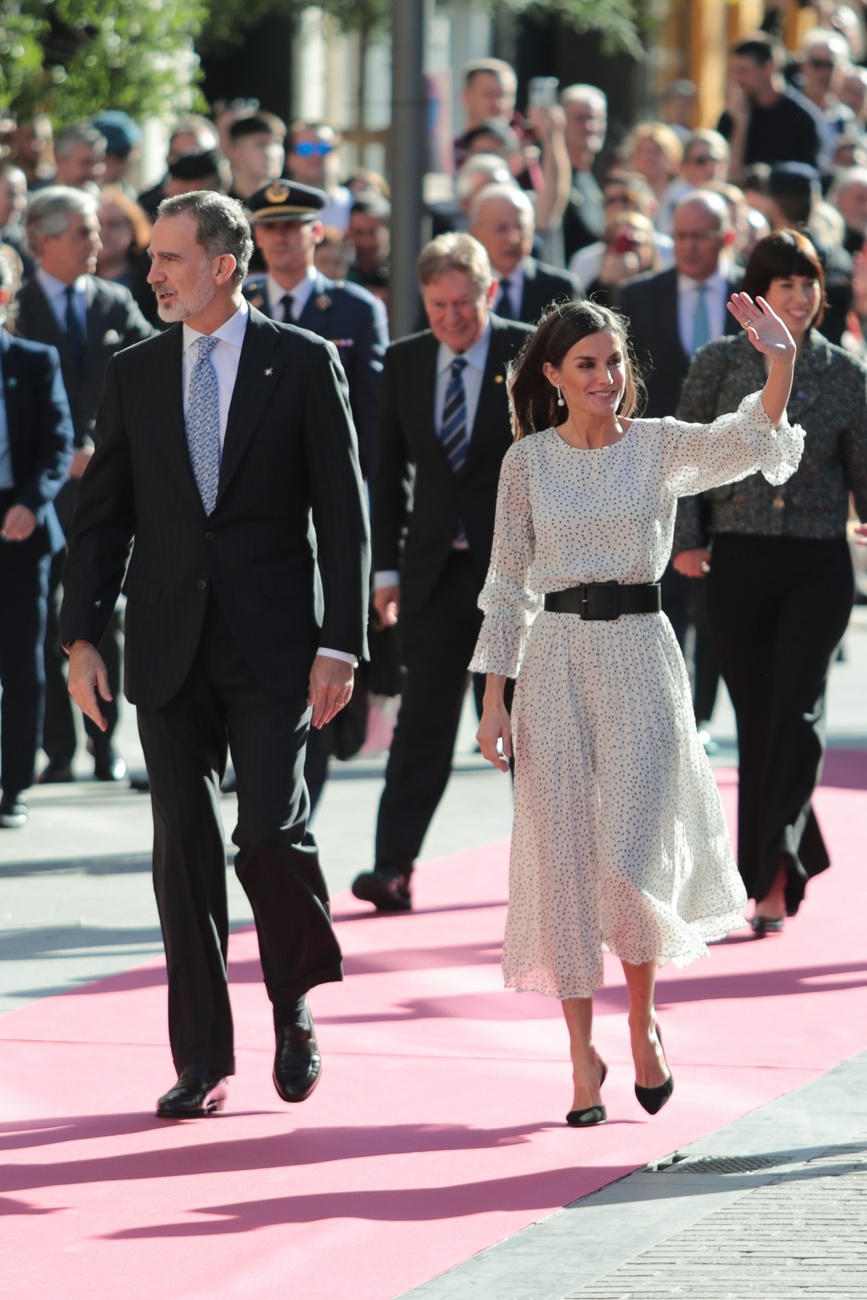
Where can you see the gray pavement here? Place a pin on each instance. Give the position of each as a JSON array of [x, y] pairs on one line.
[[76, 904]]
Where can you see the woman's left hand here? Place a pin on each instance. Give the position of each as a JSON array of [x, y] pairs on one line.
[[765, 330]]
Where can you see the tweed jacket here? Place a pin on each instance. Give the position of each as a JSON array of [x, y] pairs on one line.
[[829, 400]]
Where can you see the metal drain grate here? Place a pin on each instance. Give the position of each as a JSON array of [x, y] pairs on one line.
[[718, 1164]]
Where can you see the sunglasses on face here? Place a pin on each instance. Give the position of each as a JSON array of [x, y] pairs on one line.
[[312, 148]]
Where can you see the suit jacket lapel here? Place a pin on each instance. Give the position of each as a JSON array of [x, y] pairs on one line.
[[669, 320], [314, 307], [45, 321], [488, 410], [258, 374]]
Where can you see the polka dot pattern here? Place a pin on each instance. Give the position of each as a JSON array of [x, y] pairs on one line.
[[619, 838]]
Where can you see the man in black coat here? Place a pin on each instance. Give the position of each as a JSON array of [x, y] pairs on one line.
[[88, 320], [226, 474], [443, 435], [35, 451], [671, 315], [501, 219]]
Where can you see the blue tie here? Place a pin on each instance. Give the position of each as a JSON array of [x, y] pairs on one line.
[[453, 433], [75, 338], [203, 424], [700, 322]]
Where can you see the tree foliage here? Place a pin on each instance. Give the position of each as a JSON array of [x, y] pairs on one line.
[[71, 58]]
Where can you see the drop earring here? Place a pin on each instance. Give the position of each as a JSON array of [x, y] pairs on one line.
[[560, 401]]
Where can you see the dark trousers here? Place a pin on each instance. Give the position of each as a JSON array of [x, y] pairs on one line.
[[437, 644], [23, 600], [684, 601], [778, 608], [58, 731], [222, 705]]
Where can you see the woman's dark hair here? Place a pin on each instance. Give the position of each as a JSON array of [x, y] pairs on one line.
[[777, 257], [533, 397]]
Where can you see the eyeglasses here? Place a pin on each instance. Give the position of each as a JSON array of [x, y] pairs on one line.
[[700, 236], [821, 65], [312, 148], [702, 161]]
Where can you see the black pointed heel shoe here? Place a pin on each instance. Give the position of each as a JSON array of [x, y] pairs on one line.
[[590, 1115], [653, 1099]]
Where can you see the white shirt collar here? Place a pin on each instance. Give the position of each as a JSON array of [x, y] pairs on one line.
[[299, 294], [476, 356], [716, 283], [231, 331], [54, 288]]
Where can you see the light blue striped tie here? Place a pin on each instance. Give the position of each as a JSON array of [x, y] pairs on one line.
[[453, 433], [700, 320], [203, 424]]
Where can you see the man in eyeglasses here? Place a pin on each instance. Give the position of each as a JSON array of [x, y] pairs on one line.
[[313, 159]]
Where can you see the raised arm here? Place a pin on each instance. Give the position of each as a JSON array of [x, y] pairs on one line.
[[768, 335]]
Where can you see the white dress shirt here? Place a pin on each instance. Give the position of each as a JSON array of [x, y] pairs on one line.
[[226, 358], [299, 295], [476, 358], [716, 297]]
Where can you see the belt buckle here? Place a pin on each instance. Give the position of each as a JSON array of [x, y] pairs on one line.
[[600, 601]]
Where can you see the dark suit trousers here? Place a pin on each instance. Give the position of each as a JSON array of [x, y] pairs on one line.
[[778, 608], [23, 600], [222, 705], [58, 733], [437, 644]]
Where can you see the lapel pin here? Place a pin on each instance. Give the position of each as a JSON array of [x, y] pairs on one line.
[[498, 379], [270, 370], [323, 302]]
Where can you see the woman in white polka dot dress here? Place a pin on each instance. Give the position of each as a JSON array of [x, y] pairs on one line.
[[619, 838]]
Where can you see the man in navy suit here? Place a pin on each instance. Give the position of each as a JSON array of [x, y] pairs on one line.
[[285, 218], [35, 452], [224, 495], [88, 320], [444, 431]]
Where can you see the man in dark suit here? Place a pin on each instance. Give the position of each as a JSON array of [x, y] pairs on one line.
[[501, 219], [671, 315], [88, 320], [218, 442], [287, 229], [35, 451], [443, 435]]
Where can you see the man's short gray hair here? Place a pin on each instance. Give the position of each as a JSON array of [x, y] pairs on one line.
[[49, 212], [222, 225], [81, 133], [455, 252], [480, 164], [712, 202], [510, 193], [584, 94]]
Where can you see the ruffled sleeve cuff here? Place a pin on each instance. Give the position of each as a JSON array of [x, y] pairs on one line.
[[778, 448]]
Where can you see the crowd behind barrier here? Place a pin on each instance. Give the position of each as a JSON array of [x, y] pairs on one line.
[[546, 212]]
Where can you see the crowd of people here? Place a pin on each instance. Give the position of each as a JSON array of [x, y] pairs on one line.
[[569, 285]]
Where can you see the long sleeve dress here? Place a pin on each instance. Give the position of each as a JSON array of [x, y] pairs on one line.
[[619, 837]]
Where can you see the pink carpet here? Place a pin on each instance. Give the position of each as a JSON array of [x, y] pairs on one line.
[[438, 1127]]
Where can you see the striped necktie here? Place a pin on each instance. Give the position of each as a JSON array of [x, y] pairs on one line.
[[203, 424], [453, 432]]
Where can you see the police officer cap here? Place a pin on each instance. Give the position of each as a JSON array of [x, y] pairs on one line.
[[286, 201]]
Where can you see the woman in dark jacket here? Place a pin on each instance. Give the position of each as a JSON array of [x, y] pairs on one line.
[[779, 572]]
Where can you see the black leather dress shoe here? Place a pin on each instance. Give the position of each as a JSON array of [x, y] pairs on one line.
[[193, 1095], [297, 1062], [13, 813], [107, 763], [387, 893], [58, 772]]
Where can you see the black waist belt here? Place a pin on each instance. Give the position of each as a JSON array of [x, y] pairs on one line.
[[606, 600]]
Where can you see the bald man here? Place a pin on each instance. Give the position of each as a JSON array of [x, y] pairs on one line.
[[502, 220]]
